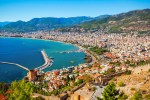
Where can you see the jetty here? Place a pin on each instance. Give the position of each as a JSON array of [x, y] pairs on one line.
[[47, 61], [15, 65]]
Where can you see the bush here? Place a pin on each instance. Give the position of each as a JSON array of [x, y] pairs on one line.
[[132, 89], [93, 88], [55, 92], [122, 96], [137, 96], [121, 84], [147, 97], [78, 82], [128, 72]]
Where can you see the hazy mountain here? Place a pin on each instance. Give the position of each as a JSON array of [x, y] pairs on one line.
[[46, 23], [4, 23]]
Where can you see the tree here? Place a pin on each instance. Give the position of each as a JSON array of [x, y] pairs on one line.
[[110, 92], [21, 90]]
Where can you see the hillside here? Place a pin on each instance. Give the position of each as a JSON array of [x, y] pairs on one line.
[[43, 24], [4, 23], [137, 20], [139, 80], [47, 23]]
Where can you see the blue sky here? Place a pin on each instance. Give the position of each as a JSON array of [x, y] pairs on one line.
[[13, 10]]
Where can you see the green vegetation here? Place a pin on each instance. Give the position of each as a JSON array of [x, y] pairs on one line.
[[133, 89], [87, 78], [109, 71], [86, 46], [140, 63], [143, 32], [111, 93], [147, 97], [98, 50], [93, 88], [137, 96], [65, 88], [118, 63], [55, 92], [149, 70], [21, 90], [78, 82], [122, 22], [48, 23], [128, 72], [121, 84], [115, 29]]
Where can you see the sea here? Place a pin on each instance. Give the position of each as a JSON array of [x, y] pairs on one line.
[[27, 52]]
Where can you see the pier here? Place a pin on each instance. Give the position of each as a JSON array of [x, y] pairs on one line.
[[15, 65], [47, 60]]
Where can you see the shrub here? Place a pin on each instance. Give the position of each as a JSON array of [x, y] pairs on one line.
[[93, 88], [128, 72], [147, 97], [132, 89], [137, 96], [55, 92], [121, 84]]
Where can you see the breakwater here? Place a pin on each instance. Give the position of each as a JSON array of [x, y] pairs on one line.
[[15, 65], [47, 61]]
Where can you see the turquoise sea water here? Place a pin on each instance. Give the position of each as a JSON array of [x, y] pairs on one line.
[[27, 52]]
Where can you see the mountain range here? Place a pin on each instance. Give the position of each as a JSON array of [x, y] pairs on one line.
[[137, 20], [47, 23]]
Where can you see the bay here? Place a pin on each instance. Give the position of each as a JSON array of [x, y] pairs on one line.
[[27, 52]]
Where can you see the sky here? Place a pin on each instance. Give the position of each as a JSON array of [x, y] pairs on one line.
[[25, 10]]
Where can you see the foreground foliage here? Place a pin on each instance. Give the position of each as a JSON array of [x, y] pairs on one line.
[[111, 93], [21, 90]]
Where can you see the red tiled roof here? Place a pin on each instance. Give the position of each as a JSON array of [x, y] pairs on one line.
[[110, 55], [56, 72], [81, 71]]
